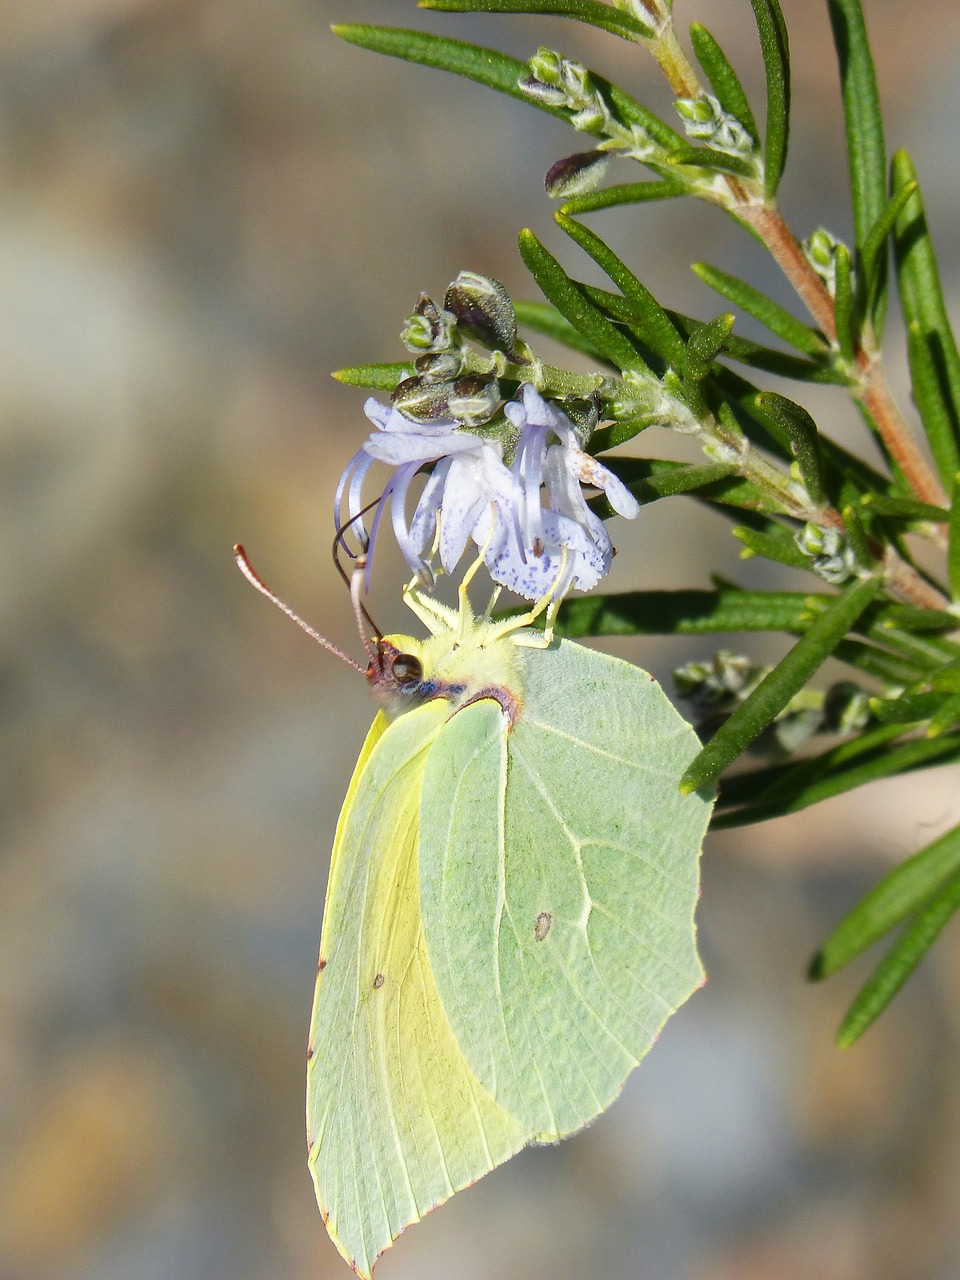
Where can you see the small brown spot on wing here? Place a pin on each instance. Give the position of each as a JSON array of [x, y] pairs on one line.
[[322, 964], [378, 982], [542, 927], [309, 1052]]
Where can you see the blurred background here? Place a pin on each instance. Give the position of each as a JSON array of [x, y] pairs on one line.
[[205, 206]]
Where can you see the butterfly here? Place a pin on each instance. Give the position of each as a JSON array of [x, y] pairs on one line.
[[509, 917]]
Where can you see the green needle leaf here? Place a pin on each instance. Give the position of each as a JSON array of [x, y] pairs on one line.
[[945, 718], [588, 11], [775, 48], [798, 786], [777, 319], [843, 308], [723, 79], [546, 319], [655, 327], [898, 964], [709, 158], [872, 265], [775, 543], [626, 193], [794, 420], [934, 361], [690, 613], [866, 153], [576, 307], [487, 66], [777, 688], [901, 892], [953, 546], [379, 377], [932, 398]]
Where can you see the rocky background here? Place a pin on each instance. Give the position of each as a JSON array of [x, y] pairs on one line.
[[205, 206]]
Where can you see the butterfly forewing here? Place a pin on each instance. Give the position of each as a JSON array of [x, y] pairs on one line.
[[396, 1120]]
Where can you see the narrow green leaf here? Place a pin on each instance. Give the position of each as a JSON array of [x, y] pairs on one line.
[[872, 259], [776, 318], [843, 304], [714, 483], [723, 79], [794, 420], [546, 319], [899, 962], [771, 359], [651, 478], [705, 343], [775, 47], [866, 152], [576, 307], [953, 546], [790, 776], [873, 660], [857, 537], [710, 159], [947, 679], [498, 71], [901, 892], [931, 395], [487, 66], [595, 14], [775, 543], [907, 709], [909, 617], [628, 111], [793, 794], [945, 718], [757, 356], [655, 326], [684, 613], [626, 193], [380, 377], [903, 508], [777, 688], [921, 296]]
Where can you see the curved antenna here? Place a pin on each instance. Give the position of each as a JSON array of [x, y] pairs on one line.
[[350, 578], [255, 580]]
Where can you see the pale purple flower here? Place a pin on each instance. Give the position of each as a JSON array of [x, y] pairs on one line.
[[533, 547]]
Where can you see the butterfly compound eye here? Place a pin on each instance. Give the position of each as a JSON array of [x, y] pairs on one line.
[[406, 669]]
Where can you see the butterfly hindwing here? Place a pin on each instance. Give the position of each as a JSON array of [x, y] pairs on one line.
[[557, 883]]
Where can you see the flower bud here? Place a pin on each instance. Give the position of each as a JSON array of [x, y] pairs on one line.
[[439, 366], [428, 328], [576, 174], [474, 400], [705, 120], [422, 401], [483, 310], [695, 112], [584, 416], [847, 708], [716, 684], [833, 558], [820, 250]]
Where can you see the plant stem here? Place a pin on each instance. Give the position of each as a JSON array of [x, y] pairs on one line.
[[872, 390]]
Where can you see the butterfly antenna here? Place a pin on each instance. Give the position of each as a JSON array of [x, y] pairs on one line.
[[360, 562], [255, 580], [359, 612]]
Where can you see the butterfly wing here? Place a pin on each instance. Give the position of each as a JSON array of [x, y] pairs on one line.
[[396, 1121], [559, 876]]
